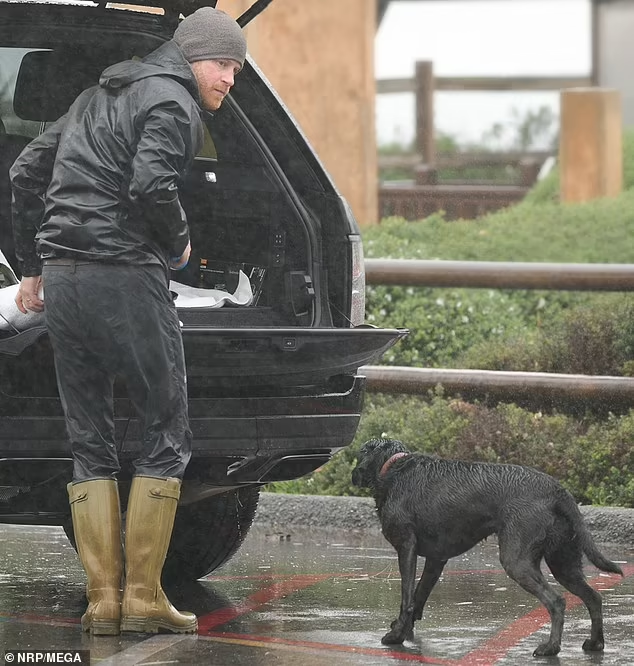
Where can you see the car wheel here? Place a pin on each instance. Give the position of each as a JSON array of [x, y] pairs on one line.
[[206, 534]]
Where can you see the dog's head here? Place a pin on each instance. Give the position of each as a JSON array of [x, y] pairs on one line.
[[372, 456]]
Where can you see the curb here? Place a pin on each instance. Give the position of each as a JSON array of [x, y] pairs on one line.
[[283, 513]]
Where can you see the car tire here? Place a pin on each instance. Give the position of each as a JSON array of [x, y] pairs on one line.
[[206, 534]]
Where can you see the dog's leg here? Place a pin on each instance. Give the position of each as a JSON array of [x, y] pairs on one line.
[[403, 626], [526, 572], [567, 569], [431, 574]]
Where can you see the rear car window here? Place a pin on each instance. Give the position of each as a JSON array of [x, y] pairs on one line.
[[11, 122]]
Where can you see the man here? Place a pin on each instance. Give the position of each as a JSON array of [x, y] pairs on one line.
[[98, 222]]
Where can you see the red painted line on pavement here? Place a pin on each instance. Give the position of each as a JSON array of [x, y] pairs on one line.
[[488, 654], [356, 574], [282, 587], [272, 577], [332, 647], [498, 647], [260, 598]]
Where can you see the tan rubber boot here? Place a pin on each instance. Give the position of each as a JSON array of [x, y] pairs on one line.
[[149, 522], [96, 517]]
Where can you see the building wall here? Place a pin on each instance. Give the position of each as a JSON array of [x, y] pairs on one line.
[[319, 56], [615, 51]]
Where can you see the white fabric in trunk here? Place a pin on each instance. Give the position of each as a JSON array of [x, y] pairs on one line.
[[193, 297]]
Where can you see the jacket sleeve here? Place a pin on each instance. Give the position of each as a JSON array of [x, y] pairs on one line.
[[30, 176], [170, 138]]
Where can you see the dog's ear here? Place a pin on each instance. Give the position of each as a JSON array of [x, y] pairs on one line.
[[382, 445], [396, 446]]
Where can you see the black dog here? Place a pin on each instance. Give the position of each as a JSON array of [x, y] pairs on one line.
[[441, 508]]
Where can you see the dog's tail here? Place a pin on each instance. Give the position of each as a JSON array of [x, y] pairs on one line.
[[597, 557], [588, 545]]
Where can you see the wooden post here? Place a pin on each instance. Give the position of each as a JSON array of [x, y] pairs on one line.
[[425, 86], [591, 144], [319, 56]]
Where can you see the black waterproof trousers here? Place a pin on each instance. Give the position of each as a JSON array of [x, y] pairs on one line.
[[117, 320]]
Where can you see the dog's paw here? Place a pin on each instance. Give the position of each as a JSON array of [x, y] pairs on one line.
[[399, 631], [393, 638], [593, 646], [546, 650]]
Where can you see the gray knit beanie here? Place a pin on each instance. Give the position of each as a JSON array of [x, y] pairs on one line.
[[210, 34]]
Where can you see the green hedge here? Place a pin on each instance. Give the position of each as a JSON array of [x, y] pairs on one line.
[[593, 459]]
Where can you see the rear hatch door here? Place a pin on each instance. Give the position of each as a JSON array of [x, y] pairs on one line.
[[282, 356]]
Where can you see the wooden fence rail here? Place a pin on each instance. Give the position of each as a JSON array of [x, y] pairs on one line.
[[412, 200], [424, 84], [500, 274], [485, 83], [461, 160], [538, 390]]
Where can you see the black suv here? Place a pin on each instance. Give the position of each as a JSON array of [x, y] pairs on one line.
[[273, 386]]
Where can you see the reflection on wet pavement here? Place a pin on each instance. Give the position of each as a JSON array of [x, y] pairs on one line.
[[313, 598]]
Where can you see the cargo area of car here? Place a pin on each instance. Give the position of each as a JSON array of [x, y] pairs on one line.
[[242, 220]]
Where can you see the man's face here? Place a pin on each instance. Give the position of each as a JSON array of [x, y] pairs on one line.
[[215, 79]]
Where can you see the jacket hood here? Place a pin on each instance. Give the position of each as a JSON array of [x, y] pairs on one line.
[[166, 60]]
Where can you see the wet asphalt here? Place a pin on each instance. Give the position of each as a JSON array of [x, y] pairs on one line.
[[309, 596]]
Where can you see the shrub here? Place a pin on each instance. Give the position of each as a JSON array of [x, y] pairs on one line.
[[445, 323], [595, 337], [603, 461], [593, 459]]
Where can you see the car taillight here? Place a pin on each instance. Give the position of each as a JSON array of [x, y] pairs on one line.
[[357, 297]]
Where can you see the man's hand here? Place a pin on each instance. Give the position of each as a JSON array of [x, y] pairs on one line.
[[178, 263], [27, 298]]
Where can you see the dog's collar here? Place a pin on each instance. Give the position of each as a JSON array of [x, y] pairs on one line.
[[390, 461]]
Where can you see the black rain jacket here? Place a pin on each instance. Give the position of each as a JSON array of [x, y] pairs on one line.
[[101, 183]]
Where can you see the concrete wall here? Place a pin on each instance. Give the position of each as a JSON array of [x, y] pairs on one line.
[[319, 56], [615, 51]]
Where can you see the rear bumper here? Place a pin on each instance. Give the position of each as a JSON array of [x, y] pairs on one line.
[[235, 439]]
